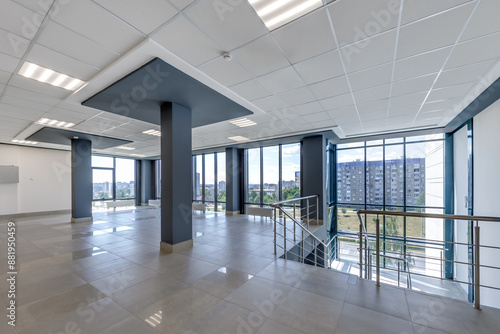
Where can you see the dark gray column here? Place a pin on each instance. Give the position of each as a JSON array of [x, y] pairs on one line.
[[81, 181], [176, 190], [147, 183], [313, 174], [449, 205], [234, 181]]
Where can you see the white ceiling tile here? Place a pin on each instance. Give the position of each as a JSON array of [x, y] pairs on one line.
[[323, 124], [8, 63], [14, 126], [297, 96], [229, 28], [106, 29], [321, 67], [261, 56], [58, 62], [20, 93], [226, 72], [308, 108], [337, 101], [419, 65], [432, 33], [346, 114], [20, 113], [464, 74], [186, 41], [408, 100], [450, 92], [438, 105], [373, 106], [270, 103], [38, 87], [475, 50], [61, 39], [37, 6], [12, 44], [18, 19], [306, 38], [317, 117], [359, 19], [380, 116], [331, 87], [27, 104], [482, 22], [181, 4], [374, 51], [4, 77], [282, 80], [145, 16], [371, 77], [372, 94], [416, 10], [411, 86], [404, 110], [251, 90]]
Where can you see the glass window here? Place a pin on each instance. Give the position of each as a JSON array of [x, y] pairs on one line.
[[375, 175], [253, 175], [103, 162], [221, 181], [271, 174], [125, 178], [198, 182], [394, 175], [290, 171], [102, 184], [209, 178], [350, 185]]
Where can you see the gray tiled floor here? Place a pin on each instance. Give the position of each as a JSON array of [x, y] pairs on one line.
[[110, 277]]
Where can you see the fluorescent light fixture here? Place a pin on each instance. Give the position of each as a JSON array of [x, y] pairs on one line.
[[276, 13], [24, 142], [238, 138], [54, 123], [153, 133], [128, 148], [137, 155], [46, 75], [242, 122]]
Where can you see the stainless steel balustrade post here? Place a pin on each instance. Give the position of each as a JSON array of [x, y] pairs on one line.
[[378, 251], [361, 250], [294, 216], [302, 245], [307, 213], [315, 253], [275, 231], [284, 235], [294, 231], [477, 281]]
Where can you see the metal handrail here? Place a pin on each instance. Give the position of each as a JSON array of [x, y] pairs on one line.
[[304, 227], [476, 242]]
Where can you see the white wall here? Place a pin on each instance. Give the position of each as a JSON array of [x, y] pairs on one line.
[[461, 190], [44, 180], [487, 194]]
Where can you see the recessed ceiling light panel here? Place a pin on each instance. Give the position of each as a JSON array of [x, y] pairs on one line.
[[24, 142], [238, 138], [242, 122], [128, 148], [54, 123], [276, 13], [152, 132], [46, 75], [137, 155]]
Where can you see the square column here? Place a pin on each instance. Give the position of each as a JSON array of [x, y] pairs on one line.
[[176, 182], [81, 181], [234, 181], [313, 174]]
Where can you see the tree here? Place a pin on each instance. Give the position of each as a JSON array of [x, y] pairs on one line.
[[222, 196]]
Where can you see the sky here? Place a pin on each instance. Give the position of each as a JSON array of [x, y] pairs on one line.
[[125, 169]]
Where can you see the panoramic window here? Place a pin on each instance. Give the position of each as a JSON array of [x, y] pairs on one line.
[[112, 178], [280, 166], [209, 180]]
